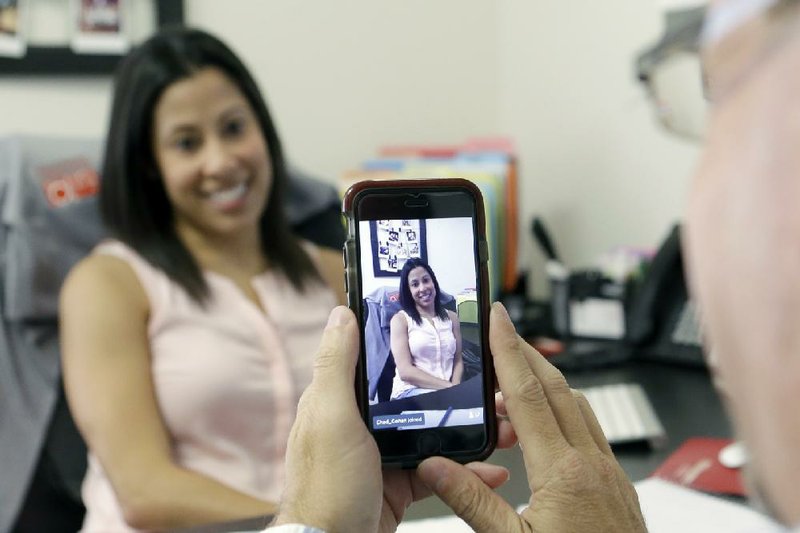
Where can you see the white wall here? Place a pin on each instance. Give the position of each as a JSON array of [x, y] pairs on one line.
[[346, 77], [450, 246], [450, 253], [595, 164]]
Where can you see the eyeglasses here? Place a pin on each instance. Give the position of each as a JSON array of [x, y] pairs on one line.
[[672, 74], [676, 81]]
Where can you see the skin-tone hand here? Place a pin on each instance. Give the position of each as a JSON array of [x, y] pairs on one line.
[[576, 484], [334, 479]]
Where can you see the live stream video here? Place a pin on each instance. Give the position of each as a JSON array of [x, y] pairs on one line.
[[424, 362]]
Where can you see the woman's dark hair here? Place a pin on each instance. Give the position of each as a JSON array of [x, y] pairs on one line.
[[407, 301], [133, 200]]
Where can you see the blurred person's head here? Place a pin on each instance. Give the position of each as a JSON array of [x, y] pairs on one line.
[[742, 230], [419, 290], [671, 73], [146, 202]]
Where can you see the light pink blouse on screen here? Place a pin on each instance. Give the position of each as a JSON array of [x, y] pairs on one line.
[[433, 347]]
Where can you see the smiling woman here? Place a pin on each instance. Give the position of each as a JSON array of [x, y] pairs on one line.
[[425, 337], [213, 160], [188, 338]]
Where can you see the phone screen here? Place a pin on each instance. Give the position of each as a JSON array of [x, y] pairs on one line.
[[422, 310]]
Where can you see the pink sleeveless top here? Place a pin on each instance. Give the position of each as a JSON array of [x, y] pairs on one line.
[[433, 348], [227, 378]]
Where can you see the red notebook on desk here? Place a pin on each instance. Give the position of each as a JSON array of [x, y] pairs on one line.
[[695, 464]]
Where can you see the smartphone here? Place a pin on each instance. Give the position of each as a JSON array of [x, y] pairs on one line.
[[416, 262]]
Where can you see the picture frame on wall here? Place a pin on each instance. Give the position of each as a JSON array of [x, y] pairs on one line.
[[396, 241], [12, 28], [100, 45], [100, 26]]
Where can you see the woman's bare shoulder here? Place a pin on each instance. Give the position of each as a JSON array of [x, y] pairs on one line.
[[400, 319], [330, 267], [101, 279]]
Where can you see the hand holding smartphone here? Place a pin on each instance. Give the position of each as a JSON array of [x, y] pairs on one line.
[[417, 279]]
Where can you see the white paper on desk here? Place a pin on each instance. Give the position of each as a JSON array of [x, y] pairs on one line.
[[669, 508], [441, 524], [597, 317]]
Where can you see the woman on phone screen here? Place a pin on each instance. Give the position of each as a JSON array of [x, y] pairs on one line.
[[425, 337]]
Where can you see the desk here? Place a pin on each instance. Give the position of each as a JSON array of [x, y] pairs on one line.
[[682, 397]]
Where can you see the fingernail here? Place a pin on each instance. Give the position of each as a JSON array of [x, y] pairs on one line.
[[497, 307], [338, 316]]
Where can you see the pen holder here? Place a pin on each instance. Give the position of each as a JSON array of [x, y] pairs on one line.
[[586, 304]]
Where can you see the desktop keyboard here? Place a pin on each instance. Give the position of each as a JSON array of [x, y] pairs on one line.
[[625, 414]]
